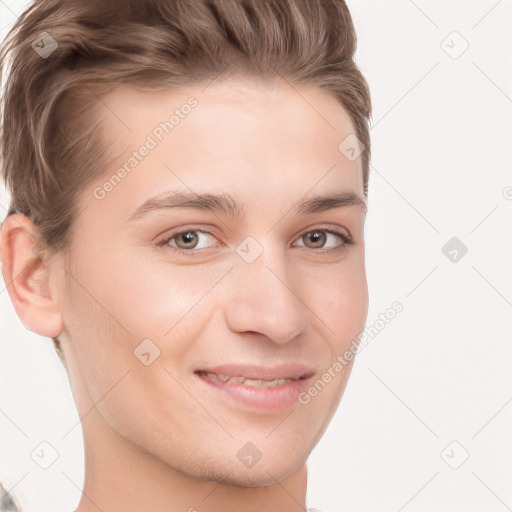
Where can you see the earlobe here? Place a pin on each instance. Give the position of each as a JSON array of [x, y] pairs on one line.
[[27, 277]]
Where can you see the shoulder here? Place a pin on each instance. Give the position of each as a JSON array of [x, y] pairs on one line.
[[7, 501]]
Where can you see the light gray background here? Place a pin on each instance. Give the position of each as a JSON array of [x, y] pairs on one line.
[[440, 371]]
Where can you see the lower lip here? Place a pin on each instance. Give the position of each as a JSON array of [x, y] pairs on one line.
[[259, 399]]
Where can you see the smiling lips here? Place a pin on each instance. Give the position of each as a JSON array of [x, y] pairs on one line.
[[252, 375], [255, 388], [248, 382]]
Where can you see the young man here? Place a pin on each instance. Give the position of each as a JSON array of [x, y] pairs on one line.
[[189, 184]]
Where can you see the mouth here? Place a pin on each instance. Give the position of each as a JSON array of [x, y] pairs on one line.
[[246, 381], [256, 389]]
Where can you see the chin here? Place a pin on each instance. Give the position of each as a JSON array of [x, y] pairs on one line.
[[247, 477], [234, 473]]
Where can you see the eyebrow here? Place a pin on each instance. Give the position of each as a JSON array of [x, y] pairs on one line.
[[228, 205]]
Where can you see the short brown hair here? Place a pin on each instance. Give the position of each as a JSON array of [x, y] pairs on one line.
[[49, 155]]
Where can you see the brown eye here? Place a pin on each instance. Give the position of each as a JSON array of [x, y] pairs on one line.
[[189, 239], [317, 239], [186, 241]]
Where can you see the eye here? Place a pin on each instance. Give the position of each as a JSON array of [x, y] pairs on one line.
[[188, 241], [185, 240], [319, 237]]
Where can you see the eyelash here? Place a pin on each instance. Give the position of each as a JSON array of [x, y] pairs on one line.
[[190, 252]]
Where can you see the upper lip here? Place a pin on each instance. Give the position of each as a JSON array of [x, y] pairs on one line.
[[249, 371]]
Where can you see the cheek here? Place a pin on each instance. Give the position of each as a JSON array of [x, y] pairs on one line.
[[338, 297], [351, 311], [151, 298]]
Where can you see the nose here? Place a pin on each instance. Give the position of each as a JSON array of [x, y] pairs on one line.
[[263, 300]]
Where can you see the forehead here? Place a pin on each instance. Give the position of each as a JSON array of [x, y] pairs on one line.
[[238, 135], [278, 112]]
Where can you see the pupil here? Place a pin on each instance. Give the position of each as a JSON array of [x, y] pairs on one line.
[[188, 235], [317, 235]]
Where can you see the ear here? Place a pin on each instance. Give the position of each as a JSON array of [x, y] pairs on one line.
[[27, 277]]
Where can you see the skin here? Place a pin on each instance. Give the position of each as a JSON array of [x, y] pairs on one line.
[[155, 437]]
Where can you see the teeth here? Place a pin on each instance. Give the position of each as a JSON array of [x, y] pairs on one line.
[[251, 382], [248, 382]]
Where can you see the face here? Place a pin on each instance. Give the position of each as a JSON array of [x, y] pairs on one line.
[[169, 306]]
